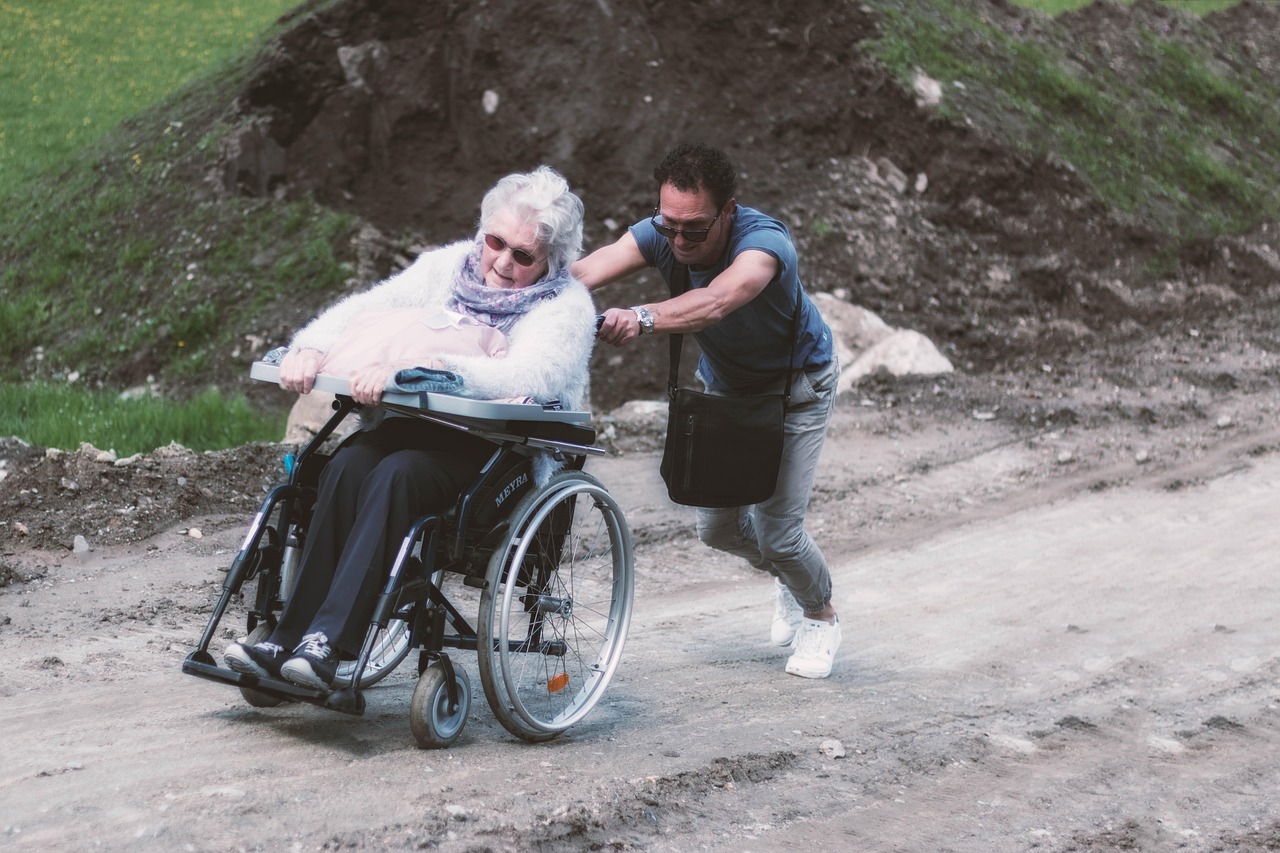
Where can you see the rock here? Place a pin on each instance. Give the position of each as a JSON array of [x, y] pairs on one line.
[[309, 413], [362, 64], [636, 425], [891, 174], [832, 748], [854, 326], [903, 353], [251, 162], [928, 91]]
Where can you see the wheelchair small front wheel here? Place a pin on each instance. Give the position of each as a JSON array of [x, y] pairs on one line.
[[435, 721]]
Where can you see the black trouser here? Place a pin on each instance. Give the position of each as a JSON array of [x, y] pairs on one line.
[[370, 492]]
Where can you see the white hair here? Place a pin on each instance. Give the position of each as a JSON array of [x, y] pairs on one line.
[[541, 197]]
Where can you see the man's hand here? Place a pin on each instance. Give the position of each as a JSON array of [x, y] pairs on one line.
[[620, 326], [298, 369]]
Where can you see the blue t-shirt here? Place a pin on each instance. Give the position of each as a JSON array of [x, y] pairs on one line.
[[746, 352]]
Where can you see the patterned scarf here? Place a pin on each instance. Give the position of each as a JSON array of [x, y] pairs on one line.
[[495, 306]]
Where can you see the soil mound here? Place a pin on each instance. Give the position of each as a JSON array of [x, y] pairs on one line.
[[404, 114]]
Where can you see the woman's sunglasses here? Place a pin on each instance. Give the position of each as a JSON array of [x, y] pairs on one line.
[[520, 256]]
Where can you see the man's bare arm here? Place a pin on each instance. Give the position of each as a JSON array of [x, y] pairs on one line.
[[609, 263], [697, 309]]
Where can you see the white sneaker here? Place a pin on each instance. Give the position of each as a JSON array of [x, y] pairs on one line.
[[814, 648], [787, 615]]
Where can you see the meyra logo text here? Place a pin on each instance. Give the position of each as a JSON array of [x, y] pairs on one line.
[[510, 489]]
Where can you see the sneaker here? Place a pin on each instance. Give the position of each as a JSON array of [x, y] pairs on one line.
[[814, 649], [261, 659], [787, 615], [314, 663]]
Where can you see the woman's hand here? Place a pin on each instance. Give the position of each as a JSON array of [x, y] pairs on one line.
[[298, 369], [368, 384]]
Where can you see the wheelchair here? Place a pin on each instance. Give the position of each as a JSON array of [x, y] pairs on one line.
[[553, 567]]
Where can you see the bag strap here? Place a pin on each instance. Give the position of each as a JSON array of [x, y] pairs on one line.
[[679, 284]]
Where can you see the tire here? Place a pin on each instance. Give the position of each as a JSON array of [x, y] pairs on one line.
[[433, 724], [390, 648], [556, 607], [253, 697]]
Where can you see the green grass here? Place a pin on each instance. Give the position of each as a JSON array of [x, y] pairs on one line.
[[1153, 139], [62, 416], [1056, 7], [107, 256], [70, 70]]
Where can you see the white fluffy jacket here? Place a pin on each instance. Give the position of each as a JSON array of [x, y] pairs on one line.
[[549, 349]]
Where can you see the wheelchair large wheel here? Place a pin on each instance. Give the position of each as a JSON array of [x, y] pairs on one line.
[[556, 607], [435, 723], [390, 648]]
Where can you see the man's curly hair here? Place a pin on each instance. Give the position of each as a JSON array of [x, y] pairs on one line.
[[694, 166]]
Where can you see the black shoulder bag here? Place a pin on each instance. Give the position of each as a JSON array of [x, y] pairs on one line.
[[722, 451]]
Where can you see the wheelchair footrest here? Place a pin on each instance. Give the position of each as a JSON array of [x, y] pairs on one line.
[[347, 701]]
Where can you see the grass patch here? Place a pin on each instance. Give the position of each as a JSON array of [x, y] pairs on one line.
[[123, 269], [1057, 7], [63, 417], [70, 70], [117, 265], [1152, 137]]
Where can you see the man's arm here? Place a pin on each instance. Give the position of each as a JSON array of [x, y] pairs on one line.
[[698, 308], [609, 263]]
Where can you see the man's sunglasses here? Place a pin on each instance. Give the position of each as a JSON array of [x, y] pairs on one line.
[[520, 256], [698, 235]]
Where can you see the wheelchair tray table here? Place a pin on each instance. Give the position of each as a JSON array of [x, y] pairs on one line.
[[530, 420]]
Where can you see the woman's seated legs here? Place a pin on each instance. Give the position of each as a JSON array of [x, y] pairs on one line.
[[369, 494]]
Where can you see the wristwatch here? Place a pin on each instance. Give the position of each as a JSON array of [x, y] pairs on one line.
[[645, 318]]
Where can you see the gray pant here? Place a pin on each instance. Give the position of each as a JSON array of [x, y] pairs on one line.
[[771, 535]]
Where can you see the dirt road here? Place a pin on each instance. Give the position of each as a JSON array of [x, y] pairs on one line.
[[1048, 646]]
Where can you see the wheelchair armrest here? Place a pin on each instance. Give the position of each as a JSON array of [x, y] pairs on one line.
[[554, 431]]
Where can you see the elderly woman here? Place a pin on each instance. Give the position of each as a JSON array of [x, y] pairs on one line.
[[512, 278]]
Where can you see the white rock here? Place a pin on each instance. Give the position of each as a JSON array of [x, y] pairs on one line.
[[928, 91], [851, 324], [904, 353], [832, 748]]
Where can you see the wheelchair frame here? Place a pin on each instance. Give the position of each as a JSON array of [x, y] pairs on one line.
[[554, 565]]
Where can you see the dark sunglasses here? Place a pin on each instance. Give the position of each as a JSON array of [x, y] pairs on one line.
[[520, 256], [693, 236]]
